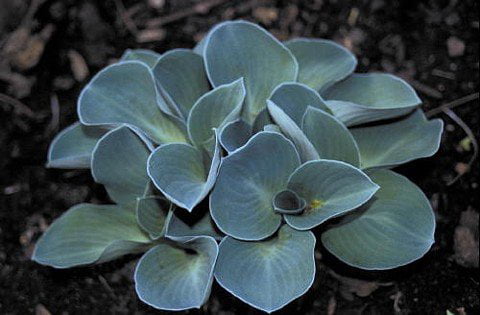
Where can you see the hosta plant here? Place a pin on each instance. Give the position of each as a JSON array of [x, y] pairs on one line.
[[222, 161]]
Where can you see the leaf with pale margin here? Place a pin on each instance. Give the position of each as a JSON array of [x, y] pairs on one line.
[[294, 98], [181, 79], [363, 98], [330, 188], [124, 93], [398, 142], [89, 233], [73, 146], [177, 276], [321, 62], [268, 274], [395, 228], [243, 49], [248, 179], [146, 56], [330, 137], [214, 110], [235, 134], [305, 148], [178, 171], [119, 163], [152, 212], [197, 223]]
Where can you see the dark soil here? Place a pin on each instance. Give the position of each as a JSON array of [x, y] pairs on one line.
[[409, 38]]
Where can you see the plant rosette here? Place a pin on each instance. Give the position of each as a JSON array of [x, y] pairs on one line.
[[221, 160]]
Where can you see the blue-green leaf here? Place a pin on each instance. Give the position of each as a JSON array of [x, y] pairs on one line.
[[395, 228], [178, 171], [305, 148], [181, 79], [330, 137], [330, 189], [214, 110], [248, 179], [294, 98], [73, 146], [398, 142], [363, 98], [119, 162], [89, 233], [177, 276], [124, 93], [152, 214], [235, 134], [262, 119], [242, 49], [268, 274], [321, 62], [146, 56], [197, 223]]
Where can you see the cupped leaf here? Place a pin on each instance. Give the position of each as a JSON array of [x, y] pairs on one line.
[[305, 148], [330, 137], [89, 233], [178, 171], [119, 162], [363, 98], [321, 62], [395, 228], [152, 212], [242, 49], [268, 274], [146, 56], [235, 134], [181, 79], [294, 98], [214, 110], [288, 202], [177, 276], [73, 146], [198, 223], [241, 202], [330, 188], [398, 142], [124, 93]]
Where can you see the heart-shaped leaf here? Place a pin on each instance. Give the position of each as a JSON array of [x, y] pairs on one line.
[[119, 162], [398, 142], [178, 171], [294, 98], [330, 189], [73, 146], [181, 79], [89, 233], [330, 137], [144, 55], [248, 179], [268, 274], [152, 212], [198, 223], [124, 93], [235, 134], [242, 49], [214, 110], [321, 62], [177, 276], [305, 148], [395, 228], [363, 98]]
